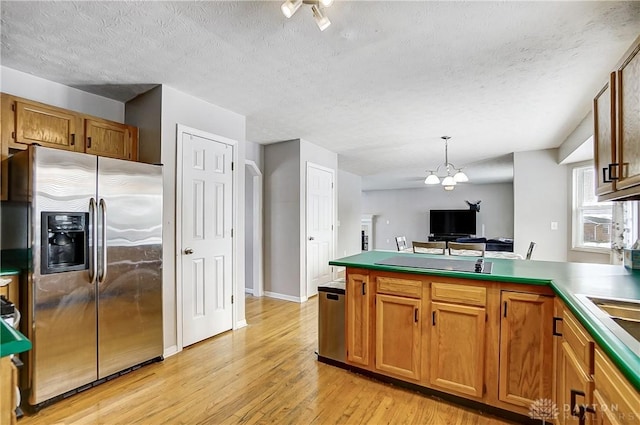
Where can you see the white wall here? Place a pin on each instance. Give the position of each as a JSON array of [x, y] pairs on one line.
[[145, 112], [407, 211], [30, 87], [349, 214], [248, 231], [282, 219], [180, 108], [540, 198], [285, 168], [255, 153]]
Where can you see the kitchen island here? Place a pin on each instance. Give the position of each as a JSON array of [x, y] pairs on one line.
[[524, 333]]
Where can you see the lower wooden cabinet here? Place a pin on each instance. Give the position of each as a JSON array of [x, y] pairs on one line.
[[615, 400], [604, 415], [8, 385], [358, 318], [575, 388], [457, 348], [398, 335], [490, 342], [9, 287], [526, 348]]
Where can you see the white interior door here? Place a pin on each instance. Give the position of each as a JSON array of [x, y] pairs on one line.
[[320, 225], [207, 245]]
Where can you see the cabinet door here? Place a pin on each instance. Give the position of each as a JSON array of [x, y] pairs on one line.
[[358, 319], [47, 126], [398, 335], [628, 109], [457, 348], [108, 139], [604, 413], [526, 348], [604, 136], [576, 385]]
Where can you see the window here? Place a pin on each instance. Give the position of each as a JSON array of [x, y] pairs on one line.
[[591, 219]]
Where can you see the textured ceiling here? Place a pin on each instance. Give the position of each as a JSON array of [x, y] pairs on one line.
[[379, 87]]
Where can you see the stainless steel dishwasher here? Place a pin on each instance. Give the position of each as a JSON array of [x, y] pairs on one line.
[[331, 312]]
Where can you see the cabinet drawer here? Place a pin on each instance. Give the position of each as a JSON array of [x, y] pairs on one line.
[[9, 288], [460, 294], [614, 389], [579, 340], [402, 287]]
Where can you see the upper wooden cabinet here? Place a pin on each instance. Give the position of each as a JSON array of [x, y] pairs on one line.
[[616, 112], [25, 122], [628, 112], [46, 126], [526, 354], [105, 138], [604, 136]]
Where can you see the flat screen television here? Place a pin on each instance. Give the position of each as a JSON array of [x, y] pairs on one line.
[[452, 222]]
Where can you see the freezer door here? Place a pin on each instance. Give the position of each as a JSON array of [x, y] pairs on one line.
[[61, 309], [130, 281]]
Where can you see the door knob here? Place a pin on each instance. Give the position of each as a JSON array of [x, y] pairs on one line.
[[311, 238], [188, 251]]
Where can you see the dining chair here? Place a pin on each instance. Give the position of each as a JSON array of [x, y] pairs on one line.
[[401, 243], [469, 249], [530, 250], [429, 247]]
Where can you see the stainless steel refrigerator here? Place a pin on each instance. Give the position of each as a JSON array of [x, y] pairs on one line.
[[94, 288]]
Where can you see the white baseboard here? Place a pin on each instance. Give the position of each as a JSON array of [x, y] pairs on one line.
[[284, 297], [170, 351], [248, 291], [240, 324]]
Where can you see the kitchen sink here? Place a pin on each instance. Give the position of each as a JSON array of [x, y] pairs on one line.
[[620, 316]]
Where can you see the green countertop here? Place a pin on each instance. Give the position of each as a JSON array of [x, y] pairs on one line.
[[11, 340], [9, 271], [566, 279]]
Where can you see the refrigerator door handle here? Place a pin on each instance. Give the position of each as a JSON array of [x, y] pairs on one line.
[[103, 270], [93, 261]]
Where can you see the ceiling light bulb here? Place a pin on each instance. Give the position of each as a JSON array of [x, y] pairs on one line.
[[449, 187], [448, 181], [326, 3], [321, 19], [432, 179], [289, 7], [460, 177]]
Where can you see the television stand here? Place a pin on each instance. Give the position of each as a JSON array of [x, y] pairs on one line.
[[447, 238]]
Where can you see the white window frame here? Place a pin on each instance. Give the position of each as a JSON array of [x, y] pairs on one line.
[[577, 227]]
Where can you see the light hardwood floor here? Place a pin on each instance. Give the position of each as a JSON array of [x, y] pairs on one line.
[[264, 373]]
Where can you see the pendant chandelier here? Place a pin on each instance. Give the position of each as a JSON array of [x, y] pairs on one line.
[[289, 7], [454, 175]]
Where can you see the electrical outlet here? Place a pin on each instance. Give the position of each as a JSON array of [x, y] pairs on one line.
[[554, 225]]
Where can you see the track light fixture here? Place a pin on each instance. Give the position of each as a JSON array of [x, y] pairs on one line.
[[290, 7], [449, 181]]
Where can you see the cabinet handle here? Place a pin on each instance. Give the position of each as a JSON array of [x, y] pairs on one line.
[[364, 288], [612, 176], [579, 411], [505, 309], [433, 318], [574, 394], [415, 315], [73, 139], [555, 326], [88, 142]]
